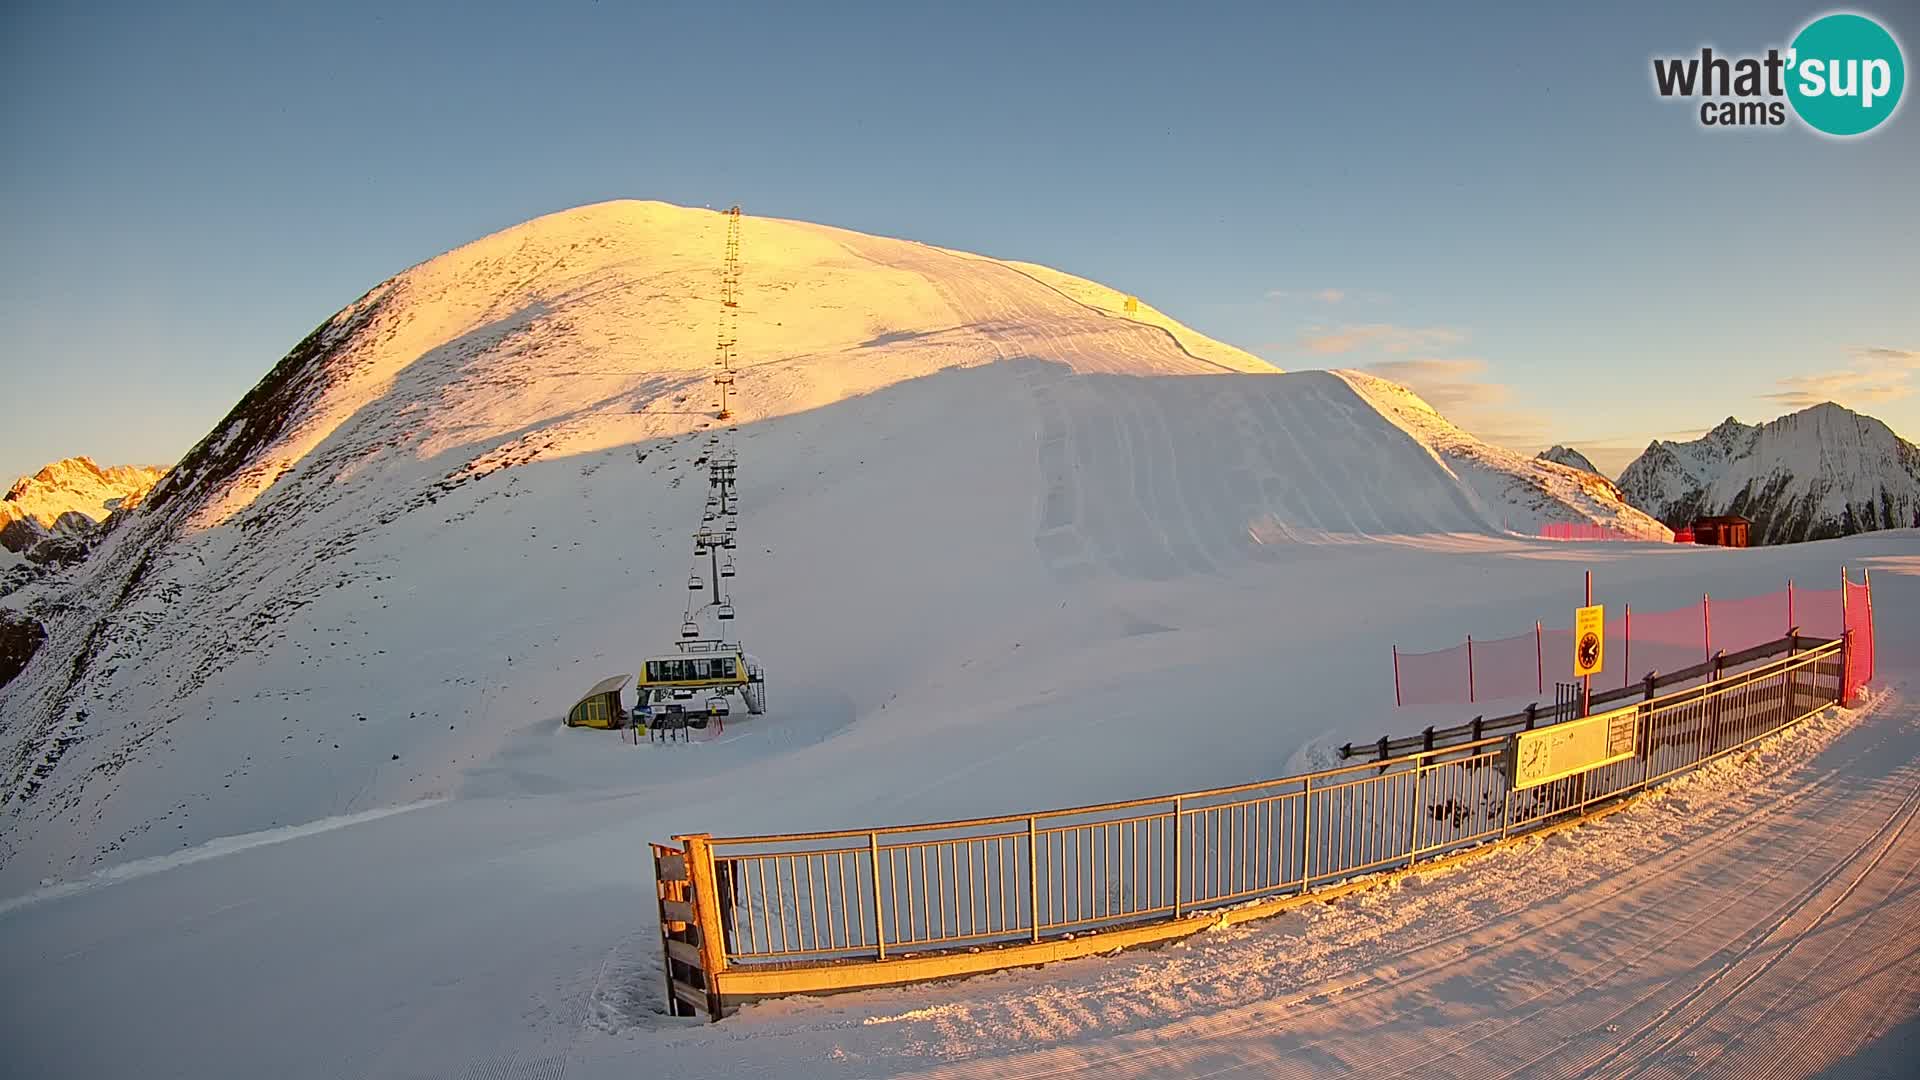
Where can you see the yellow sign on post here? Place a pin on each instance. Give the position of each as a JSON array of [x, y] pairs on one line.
[[1561, 750], [1589, 639]]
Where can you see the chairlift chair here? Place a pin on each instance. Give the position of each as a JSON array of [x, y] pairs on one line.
[[725, 611], [733, 523], [689, 629], [694, 584], [726, 568]]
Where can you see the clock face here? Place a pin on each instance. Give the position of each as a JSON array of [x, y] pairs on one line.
[[1533, 757], [1589, 650]]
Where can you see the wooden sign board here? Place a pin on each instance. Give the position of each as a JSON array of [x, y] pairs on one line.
[[1553, 753]]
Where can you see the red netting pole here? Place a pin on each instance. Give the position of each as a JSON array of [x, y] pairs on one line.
[[1789, 605], [1626, 665], [1846, 646], [1706, 624], [1396, 676], [1539, 661], [1866, 575], [1470, 669]]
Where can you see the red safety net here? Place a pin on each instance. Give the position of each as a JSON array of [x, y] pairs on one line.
[[1432, 678], [1859, 620], [1582, 530], [1507, 667], [1817, 612], [1637, 643]]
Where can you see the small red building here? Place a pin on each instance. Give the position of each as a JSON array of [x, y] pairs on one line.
[[1727, 530]]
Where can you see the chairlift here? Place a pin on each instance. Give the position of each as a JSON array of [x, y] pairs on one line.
[[733, 523], [726, 568], [725, 612], [694, 584], [689, 629]]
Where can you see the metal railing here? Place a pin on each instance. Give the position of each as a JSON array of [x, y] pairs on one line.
[[1536, 714], [823, 898]]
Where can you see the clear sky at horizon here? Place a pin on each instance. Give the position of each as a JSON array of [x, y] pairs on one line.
[[1494, 207]]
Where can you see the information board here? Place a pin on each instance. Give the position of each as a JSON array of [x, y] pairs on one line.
[[1589, 639], [1553, 753]]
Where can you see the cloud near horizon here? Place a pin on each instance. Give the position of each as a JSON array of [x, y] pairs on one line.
[[1386, 337], [1456, 387], [1876, 374], [1324, 296]]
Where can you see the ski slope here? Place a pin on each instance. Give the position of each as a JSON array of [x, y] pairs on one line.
[[509, 933], [976, 493]]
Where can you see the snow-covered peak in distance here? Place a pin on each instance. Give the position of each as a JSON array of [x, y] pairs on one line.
[[1568, 456], [70, 495], [1821, 472]]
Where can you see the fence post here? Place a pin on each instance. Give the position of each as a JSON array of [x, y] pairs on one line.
[[1177, 868], [1846, 641], [1478, 727], [1531, 706], [1470, 697], [1413, 812], [1306, 834], [1426, 738], [706, 916], [1384, 751], [879, 921], [1033, 872], [1873, 645], [1706, 625]]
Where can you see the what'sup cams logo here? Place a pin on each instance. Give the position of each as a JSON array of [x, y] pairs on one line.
[[1842, 76]]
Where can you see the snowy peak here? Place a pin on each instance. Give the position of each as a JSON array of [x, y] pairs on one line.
[[1512, 489], [1568, 456], [1821, 472], [70, 497]]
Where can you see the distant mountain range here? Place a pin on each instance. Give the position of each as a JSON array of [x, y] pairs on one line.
[[68, 501], [1568, 456], [1822, 472]]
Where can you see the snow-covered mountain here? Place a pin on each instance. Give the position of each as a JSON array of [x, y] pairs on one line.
[[1523, 492], [69, 498], [1568, 456], [466, 496], [1822, 472]]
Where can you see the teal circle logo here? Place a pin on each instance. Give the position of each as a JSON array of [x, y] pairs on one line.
[[1845, 74]]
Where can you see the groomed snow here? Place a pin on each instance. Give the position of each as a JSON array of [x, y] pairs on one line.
[[510, 933]]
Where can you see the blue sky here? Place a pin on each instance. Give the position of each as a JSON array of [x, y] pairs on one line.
[[1494, 206]]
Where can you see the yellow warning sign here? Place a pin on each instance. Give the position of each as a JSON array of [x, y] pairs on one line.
[[1561, 750], [1589, 639]]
